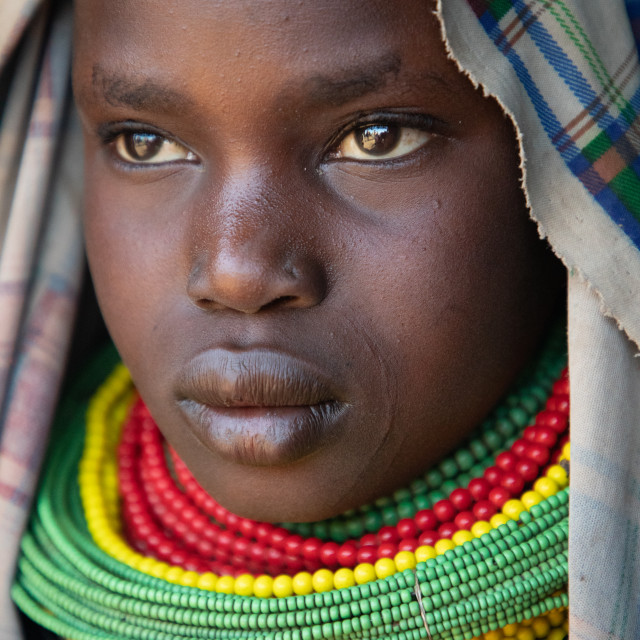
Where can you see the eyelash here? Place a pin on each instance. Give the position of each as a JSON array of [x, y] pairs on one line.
[[414, 122], [111, 133]]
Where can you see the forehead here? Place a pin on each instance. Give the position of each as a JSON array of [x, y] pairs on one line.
[[247, 26], [286, 44]]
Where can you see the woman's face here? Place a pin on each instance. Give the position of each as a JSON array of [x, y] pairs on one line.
[[307, 237]]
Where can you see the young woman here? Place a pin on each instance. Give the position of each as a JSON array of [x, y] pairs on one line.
[[310, 242]]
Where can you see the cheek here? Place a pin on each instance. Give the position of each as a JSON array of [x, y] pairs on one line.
[[133, 257], [444, 275]]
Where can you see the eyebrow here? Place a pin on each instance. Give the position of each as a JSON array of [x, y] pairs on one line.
[[145, 94], [335, 90], [141, 95]]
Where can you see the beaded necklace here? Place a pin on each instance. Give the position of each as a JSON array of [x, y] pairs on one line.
[[130, 546]]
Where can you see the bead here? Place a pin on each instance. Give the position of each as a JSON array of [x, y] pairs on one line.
[[344, 578], [484, 509], [537, 453], [322, 581], [546, 487], [311, 548], [407, 528], [557, 473], [527, 469], [387, 550], [513, 482], [364, 573], [225, 584], [561, 387], [410, 544], [293, 545], [263, 586], [444, 545], [282, 586], [464, 460], [206, 581], [464, 520], [493, 475], [302, 583], [405, 560], [367, 555], [329, 553], [388, 534], [498, 496], [513, 508], [531, 498], [348, 555], [461, 499], [556, 617], [546, 436], [384, 568], [428, 538], [480, 528], [444, 510], [541, 627], [244, 585], [498, 520], [460, 537], [519, 447], [506, 461], [425, 552], [426, 520], [447, 530], [369, 539]]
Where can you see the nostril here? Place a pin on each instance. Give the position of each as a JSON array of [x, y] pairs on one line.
[[281, 301]]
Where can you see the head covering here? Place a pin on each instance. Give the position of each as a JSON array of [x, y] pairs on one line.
[[41, 255], [567, 73]]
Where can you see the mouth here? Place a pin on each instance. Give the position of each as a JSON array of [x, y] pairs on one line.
[[258, 408]]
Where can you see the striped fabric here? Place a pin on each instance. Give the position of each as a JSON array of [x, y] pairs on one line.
[[41, 256], [567, 71], [589, 114]]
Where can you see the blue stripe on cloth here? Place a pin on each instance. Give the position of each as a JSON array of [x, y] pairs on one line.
[[569, 151], [617, 211], [616, 473], [633, 9], [563, 65]]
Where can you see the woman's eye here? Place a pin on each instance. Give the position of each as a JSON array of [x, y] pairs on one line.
[[141, 147], [380, 142]]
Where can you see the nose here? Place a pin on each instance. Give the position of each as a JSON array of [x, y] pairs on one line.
[[250, 260]]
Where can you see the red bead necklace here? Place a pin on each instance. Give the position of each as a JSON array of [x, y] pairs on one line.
[[179, 523]]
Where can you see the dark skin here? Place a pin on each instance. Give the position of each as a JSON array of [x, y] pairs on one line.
[[308, 240]]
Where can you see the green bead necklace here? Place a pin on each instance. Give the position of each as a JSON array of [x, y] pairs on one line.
[[515, 572]]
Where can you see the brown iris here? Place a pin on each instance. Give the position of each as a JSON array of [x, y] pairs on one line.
[[377, 139], [143, 146]]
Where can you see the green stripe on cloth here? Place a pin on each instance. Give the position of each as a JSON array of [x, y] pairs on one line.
[[626, 186], [597, 147], [499, 8], [577, 35]]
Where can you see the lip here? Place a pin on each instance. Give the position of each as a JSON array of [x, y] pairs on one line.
[[259, 407]]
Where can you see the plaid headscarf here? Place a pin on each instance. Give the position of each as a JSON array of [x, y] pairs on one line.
[[565, 70]]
